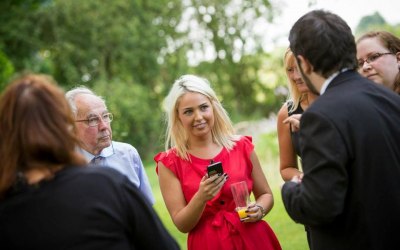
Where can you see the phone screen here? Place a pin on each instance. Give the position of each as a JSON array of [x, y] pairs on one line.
[[215, 168]]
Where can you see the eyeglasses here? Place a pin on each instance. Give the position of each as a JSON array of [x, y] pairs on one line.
[[371, 58], [95, 120]]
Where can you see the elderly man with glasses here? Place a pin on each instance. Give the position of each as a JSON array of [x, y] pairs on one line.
[[94, 132]]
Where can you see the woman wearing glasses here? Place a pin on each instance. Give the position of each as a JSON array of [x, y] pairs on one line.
[[378, 54]]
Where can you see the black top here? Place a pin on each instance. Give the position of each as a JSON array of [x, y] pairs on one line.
[[81, 208], [295, 135]]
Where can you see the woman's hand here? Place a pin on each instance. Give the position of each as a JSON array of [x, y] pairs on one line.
[[186, 215], [254, 213], [294, 121], [209, 187]]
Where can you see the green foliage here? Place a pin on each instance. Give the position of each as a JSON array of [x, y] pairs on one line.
[[120, 49], [227, 30], [369, 21], [89, 40], [6, 70], [375, 22], [137, 117], [18, 30], [131, 51], [267, 147]]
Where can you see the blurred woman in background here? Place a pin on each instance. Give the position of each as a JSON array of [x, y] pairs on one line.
[[288, 122], [289, 118]]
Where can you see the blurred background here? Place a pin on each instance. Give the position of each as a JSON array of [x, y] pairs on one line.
[[131, 51]]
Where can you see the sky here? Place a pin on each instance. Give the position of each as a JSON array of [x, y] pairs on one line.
[[350, 10]]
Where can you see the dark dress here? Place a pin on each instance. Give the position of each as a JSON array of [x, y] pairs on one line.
[[296, 145], [295, 135], [81, 208]]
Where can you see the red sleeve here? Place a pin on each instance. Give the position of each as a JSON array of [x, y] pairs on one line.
[[247, 144], [165, 158]]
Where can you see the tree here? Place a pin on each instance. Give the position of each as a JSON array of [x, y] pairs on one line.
[[224, 47], [131, 51], [6, 70], [114, 48], [369, 22], [18, 40]]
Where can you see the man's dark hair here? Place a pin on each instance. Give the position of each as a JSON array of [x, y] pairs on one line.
[[325, 40]]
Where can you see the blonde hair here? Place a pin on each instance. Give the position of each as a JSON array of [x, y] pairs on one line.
[[176, 136], [294, 95]]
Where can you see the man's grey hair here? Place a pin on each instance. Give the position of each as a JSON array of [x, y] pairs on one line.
[[73, 93]]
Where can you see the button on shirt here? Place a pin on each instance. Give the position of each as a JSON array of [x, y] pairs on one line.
[[124, 158]]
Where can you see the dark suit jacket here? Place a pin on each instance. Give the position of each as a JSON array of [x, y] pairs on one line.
[[350, 146]]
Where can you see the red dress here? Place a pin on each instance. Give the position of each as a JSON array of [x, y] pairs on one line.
[[219, 226]]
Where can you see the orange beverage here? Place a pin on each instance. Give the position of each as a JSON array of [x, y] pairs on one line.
[[242, 212], [240, 193]]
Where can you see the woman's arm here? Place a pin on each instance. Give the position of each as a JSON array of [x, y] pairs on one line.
[[287, 156], [261, 190], [186, 215]]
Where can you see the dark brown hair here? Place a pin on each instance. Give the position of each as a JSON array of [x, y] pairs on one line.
[[388, 40], [37, 129], [325, 40]]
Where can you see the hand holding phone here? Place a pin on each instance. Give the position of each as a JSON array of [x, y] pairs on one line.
[[214, 168]]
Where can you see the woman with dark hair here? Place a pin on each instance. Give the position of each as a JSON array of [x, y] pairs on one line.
[[49, 200]]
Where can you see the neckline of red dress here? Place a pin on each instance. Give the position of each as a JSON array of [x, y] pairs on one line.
[[217, 158]]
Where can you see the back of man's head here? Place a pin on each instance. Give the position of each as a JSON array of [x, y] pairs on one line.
[[325, 40]]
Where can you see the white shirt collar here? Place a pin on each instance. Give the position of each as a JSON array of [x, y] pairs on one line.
[[108, 151], [329, 80]]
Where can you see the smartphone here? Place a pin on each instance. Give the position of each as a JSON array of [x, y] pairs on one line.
[[214, 168]]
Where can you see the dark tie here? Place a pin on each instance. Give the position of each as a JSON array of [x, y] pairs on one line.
[[97, 160]]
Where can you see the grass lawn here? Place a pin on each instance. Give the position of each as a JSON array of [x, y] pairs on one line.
[[291, 235]]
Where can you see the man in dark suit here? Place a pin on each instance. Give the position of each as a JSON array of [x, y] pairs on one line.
[[349, 195]]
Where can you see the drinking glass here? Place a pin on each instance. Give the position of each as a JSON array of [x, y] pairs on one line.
[[241, 197]]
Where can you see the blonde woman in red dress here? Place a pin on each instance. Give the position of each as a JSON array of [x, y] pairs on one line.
[[200, 132]]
